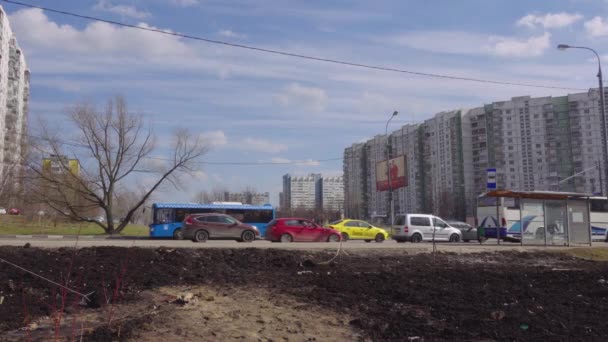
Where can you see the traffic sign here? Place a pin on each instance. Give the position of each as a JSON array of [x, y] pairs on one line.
[[491, 176]]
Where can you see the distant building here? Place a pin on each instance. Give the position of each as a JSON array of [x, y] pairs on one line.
[[247, 197], [312, 192], [332, 194], [301, 192]]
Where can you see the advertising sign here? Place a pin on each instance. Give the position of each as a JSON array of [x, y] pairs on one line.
[[398, 174]]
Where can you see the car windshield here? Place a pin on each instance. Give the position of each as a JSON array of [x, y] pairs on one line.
[[336, 222]]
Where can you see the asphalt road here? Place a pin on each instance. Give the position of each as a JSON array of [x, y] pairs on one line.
[[489, 245]]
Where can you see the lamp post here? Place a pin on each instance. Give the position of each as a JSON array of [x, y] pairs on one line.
[[601, 89], [388, 172]]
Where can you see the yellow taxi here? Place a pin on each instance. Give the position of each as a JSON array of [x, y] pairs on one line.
[[359, 230]]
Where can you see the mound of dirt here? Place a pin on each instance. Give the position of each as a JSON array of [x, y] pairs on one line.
[[382, 296]]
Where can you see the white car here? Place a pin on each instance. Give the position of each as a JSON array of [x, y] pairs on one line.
[[422, 227], [2, 211]]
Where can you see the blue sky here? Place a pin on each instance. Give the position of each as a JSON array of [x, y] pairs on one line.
[[256, 107]]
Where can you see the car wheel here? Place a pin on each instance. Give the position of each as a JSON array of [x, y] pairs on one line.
[[201, 236], [416, 238], [333, 238], [344, 237], [248, 236], [379, 238], [286, 238], [454, 238], [178, 235]]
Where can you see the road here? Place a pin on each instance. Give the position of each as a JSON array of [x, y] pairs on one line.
[[350, 245]]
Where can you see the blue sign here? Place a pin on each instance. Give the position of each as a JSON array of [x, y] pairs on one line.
[[491, 176]]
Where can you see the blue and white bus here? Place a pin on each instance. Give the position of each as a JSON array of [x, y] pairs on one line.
[[168, 217]]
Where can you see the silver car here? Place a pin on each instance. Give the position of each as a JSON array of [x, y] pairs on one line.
[[468, 232]]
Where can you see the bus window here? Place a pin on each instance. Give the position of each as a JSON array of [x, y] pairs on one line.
[[599, 205], [180, 215], [163, 216], [237, 214], [258, 216]]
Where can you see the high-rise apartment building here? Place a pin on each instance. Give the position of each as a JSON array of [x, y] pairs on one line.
[[247, 197], [332, 193], [14, 98], [534, 143], [313, 192], [301, 192], [355, 181]]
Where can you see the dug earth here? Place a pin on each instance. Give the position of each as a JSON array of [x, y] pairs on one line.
[[141, 294]]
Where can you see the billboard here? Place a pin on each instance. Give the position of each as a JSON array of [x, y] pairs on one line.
[[398, 176], [55, 165]]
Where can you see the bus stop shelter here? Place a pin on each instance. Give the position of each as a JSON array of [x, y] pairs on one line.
[[544, 217]]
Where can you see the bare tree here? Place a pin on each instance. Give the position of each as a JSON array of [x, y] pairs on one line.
[[116, 149]]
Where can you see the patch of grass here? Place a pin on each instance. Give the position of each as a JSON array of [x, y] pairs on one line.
[[23, 227], [596, 254]]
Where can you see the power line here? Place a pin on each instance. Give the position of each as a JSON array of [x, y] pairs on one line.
[[291, 54], [291, 162]]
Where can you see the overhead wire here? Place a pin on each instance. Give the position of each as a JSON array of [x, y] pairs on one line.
[[291, 162], [290, 54]]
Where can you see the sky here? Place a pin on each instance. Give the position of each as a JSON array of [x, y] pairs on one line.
[[256, 107]]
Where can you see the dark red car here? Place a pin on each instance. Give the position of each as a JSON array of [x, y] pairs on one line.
[[297, 229]]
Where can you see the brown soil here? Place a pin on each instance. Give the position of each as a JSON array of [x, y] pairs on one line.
[[256, 294]]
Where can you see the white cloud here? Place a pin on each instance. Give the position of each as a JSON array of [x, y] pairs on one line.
[[512, 47], [261, 145], [230, 34], [184, 3], [97, 39], [466, 43], [296, 95], [549, 20], [122, 10], [597, 27], [200, 175], [306, 162], [215, 138]]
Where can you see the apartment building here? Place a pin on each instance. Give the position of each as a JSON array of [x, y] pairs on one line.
[[14, 99], [247, 197], [406, 141], [332, 193], [376, 151], [301, 192], [534, 143], [355, 181]]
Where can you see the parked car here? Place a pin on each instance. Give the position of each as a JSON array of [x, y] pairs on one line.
[[421, 227], [14, 211], [2, 211], [359, 230], [468, 232], [203, 227], [297, 229]]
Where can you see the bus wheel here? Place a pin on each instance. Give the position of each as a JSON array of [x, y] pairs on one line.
[[201, 236], [177, 235]]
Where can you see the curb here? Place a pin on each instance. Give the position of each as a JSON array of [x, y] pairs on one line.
[[73, 237]]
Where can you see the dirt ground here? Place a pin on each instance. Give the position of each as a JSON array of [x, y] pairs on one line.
[[278, 295]]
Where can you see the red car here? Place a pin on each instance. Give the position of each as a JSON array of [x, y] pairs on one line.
[[297, 229]]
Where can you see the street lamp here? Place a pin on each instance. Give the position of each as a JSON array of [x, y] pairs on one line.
[[388, 173], [601, 89]]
